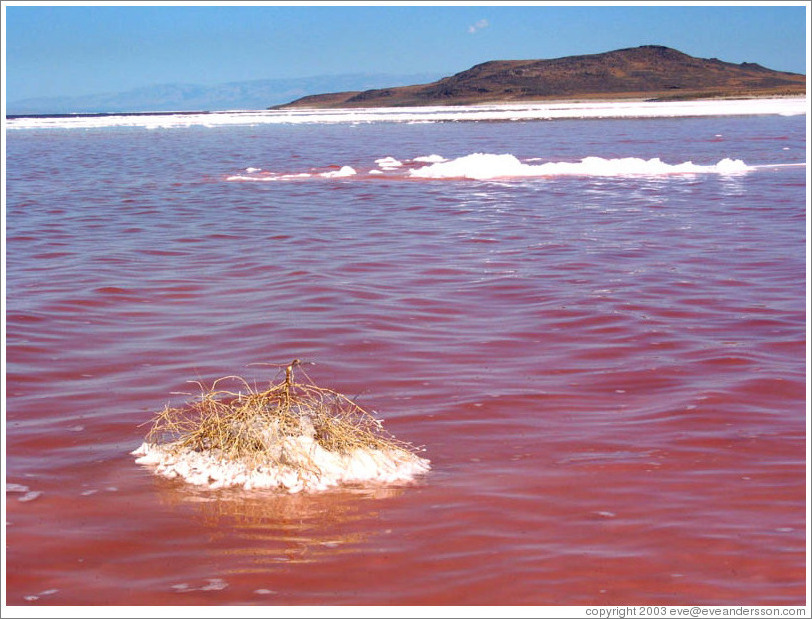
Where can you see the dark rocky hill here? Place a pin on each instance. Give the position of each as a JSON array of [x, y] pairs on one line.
[[648, 72]]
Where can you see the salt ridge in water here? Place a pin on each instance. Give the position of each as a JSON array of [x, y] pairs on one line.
[[485, 166], [481, 166]]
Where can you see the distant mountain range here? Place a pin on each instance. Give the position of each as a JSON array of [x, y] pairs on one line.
[[248, 95], [648, 72]]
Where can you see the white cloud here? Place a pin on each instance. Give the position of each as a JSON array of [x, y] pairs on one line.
[[482, 23]]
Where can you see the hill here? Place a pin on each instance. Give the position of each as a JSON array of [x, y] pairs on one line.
[[649, 72]]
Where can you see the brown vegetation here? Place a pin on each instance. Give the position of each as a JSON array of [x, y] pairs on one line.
[[252, 425]]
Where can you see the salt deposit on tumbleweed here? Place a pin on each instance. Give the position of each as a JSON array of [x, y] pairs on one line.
[[292, 436]]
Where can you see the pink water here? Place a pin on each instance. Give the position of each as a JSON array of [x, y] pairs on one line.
[[608, 374]]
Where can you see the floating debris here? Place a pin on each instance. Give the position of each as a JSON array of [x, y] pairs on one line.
[[293, 436]]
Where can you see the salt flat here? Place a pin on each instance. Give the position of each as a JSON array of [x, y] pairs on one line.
[[789, 106]]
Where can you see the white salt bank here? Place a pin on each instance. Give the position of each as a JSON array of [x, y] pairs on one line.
[[341, 173], [782, 106], [388, 163], [483, 166]]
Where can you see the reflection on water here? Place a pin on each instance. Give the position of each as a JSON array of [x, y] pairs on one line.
[[266, 528]]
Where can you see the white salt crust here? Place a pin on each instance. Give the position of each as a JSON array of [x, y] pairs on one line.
[[483, 166], [299, 464], [786, 106]]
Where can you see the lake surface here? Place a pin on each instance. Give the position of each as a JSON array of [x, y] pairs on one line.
[[607, 371]]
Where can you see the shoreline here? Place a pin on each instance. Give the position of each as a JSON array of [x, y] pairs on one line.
[[585, 100], [507, 112], [483, 104]]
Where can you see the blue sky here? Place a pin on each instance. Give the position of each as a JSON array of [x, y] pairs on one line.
[[65, 50]]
